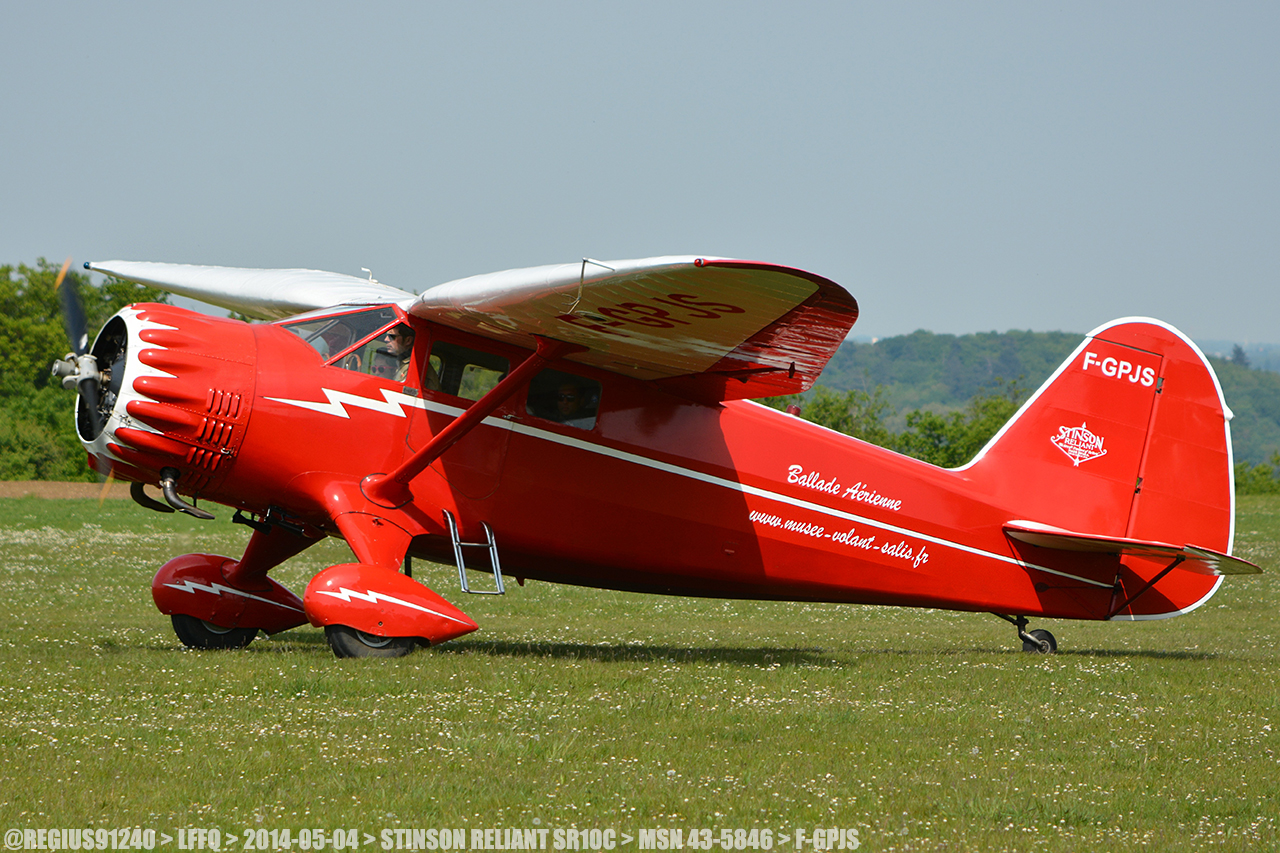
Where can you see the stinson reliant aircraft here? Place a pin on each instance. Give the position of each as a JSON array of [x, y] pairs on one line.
[[591, 423]]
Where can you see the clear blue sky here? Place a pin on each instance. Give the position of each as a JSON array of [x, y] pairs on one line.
[[958, 167]]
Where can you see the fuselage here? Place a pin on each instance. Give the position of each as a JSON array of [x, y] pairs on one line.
[[654, 492]]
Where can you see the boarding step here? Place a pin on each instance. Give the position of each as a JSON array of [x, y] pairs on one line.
[[490, 543]]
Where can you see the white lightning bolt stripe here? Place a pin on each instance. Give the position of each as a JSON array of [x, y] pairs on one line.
[[393, 403], [373, 597], [217, 589]]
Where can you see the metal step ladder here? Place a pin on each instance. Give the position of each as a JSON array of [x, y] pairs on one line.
[[491, 543]]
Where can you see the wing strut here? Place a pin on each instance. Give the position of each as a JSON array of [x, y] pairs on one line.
[[1115, 611], [392, 490]]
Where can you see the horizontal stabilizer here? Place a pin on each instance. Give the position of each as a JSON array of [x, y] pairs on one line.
[[1203, 561]]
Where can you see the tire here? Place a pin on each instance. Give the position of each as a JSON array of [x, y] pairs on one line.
[[350, 643], [1043, 638], [199, 634]]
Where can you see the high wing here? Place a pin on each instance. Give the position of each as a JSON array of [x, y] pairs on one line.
[[263, 294], [712, 328], [715, 328]]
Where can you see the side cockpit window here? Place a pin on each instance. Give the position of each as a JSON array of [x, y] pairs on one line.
[[464, 372], [564, 398]]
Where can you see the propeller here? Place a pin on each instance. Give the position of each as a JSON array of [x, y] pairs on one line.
[[78, 369]]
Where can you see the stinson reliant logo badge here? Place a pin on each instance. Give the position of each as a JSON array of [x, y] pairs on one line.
[[1079, 444]]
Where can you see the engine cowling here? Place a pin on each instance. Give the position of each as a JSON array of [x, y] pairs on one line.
[[177, 394]]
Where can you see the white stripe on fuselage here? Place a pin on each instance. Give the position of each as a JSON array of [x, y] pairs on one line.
[[394, 404]]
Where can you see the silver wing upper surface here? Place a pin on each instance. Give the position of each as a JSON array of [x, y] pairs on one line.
[[732, 328], [263, 294]]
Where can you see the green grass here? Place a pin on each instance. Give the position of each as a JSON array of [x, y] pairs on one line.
[[925, 730]]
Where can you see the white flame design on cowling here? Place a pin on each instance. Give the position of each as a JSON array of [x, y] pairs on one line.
[[133, 369]]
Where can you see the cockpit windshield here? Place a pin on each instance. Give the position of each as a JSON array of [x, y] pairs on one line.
[[333, 334]]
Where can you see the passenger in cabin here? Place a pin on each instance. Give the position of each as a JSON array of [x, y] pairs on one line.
[[384, 365], [569, 407], [432, 379], [564, 398]]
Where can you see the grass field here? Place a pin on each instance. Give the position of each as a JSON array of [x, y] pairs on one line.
[[924, 730]]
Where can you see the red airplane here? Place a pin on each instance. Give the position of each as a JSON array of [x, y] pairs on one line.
[[591, 424]]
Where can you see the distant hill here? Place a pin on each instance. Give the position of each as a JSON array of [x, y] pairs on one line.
[[1254, 397], [1259, 356], [941, 373]]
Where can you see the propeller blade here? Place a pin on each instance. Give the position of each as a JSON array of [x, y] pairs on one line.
[[73, 318], [90, 398], [106, 486], [76, 325], [62, 273]]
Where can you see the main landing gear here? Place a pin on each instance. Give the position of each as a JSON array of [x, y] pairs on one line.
[[368, 609], [1039, 641], [350, 643], [199, 634], [219, 603]]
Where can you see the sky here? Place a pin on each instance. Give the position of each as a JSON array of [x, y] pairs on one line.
[[958, 167]]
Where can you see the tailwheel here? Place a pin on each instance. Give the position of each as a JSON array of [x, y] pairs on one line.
[[1041, 641], [350, 643], [199, 634]]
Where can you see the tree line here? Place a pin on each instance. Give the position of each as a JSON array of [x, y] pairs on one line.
[[951, 439], [947, 439], [924, 372]]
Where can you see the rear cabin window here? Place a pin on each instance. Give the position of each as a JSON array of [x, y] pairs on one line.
[[564, 398], [464, 372], [330, 336]]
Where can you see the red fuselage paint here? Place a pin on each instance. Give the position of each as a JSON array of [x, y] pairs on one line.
[[664, 494]]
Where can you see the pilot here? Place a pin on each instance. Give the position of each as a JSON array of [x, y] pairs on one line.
[[400, 346]]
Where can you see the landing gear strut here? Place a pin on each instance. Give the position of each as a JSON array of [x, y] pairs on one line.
[[1039, 640]]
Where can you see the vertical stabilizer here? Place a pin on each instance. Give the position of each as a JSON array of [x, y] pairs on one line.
[[1129, 438]]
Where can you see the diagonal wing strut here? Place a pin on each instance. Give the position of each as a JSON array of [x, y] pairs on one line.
[[392, 490]]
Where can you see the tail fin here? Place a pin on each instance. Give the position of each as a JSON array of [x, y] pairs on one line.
[[1129, 438]]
